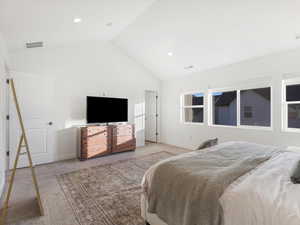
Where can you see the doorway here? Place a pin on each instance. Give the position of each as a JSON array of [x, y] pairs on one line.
[[151, 116]]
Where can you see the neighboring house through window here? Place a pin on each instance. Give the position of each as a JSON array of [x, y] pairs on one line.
[[224, 108], [241, 107], [193, 108], [255, 107]]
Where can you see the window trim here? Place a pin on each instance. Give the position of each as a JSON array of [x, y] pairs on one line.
[[210, 114], [238, 105], [284, 105], [183, 107]]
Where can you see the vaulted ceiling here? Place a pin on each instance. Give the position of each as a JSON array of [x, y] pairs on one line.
[[51, 21], [170, 37]]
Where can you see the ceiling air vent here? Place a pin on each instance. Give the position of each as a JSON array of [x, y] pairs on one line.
[[38, 44], [189, 67]]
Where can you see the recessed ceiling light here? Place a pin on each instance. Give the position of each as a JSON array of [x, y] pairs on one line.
[[77, 20], [170, 53]]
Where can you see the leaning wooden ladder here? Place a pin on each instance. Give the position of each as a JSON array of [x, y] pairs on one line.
[[23, 143]]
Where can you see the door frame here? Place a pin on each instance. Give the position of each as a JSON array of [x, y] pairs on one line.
[[156, 117], [7, 116], [37, 159]]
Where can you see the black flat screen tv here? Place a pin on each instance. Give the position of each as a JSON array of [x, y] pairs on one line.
[[106, 110]]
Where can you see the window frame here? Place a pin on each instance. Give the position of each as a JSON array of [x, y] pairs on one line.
[[285, 104], [211, 107], [183, 107], [238, 105]]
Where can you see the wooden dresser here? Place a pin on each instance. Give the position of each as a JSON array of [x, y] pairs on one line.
[[103, 140]]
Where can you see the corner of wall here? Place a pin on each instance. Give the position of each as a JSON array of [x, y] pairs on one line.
[[3, 61], [2, 182], [119, 48]]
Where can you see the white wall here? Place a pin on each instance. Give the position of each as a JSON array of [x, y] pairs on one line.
[[93, 68], [3, 59], [272, 68]]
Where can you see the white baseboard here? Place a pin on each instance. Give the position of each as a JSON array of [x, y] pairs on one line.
[[65, 156]]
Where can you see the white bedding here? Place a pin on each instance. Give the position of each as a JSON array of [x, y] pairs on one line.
[[265, 196]]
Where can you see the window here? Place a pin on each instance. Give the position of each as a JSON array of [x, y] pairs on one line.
[[255, 107], [224, 108], [241, 108], [193, 108], [291, 106]]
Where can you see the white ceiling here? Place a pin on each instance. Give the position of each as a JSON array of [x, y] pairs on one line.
[[202, 33], [51, 21], [209, 33]]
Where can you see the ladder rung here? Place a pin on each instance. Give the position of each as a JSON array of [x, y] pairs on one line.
[[23, 153], [23, 146]]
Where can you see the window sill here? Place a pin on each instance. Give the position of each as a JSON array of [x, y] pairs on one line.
[[255, 128], [193, 123], [222, 126], [291, 130], [244, 127]]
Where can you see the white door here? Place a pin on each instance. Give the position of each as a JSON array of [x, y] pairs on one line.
[[151, 116], [34, 94]]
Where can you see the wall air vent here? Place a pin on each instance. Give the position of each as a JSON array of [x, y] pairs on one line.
[[38, 44]]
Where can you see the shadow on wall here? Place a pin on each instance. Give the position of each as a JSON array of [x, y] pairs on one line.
[[67, 143], [139, 121]]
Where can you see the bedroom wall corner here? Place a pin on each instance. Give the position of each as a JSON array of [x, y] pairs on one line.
[[3, 60]]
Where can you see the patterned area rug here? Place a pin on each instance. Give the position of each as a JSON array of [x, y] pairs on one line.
[[108, 194]]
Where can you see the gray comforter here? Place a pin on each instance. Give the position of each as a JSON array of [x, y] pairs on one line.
[[186, 190]]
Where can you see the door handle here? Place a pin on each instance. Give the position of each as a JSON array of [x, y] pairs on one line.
[[50, 123]]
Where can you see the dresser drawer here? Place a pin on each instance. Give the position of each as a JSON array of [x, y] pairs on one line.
[[97, 130], [123, 130], [96, 150], [94, 140], [119, 140], [123, 143]]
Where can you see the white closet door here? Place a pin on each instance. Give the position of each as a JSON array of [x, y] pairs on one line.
[[35, 96], [151, 116]]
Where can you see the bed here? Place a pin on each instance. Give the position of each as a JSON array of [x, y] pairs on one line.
[[264, 195]]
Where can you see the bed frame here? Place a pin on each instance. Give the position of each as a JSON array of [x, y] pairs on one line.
[[150, 219]]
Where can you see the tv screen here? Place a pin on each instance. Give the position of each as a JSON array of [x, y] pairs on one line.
[[105, 110]]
